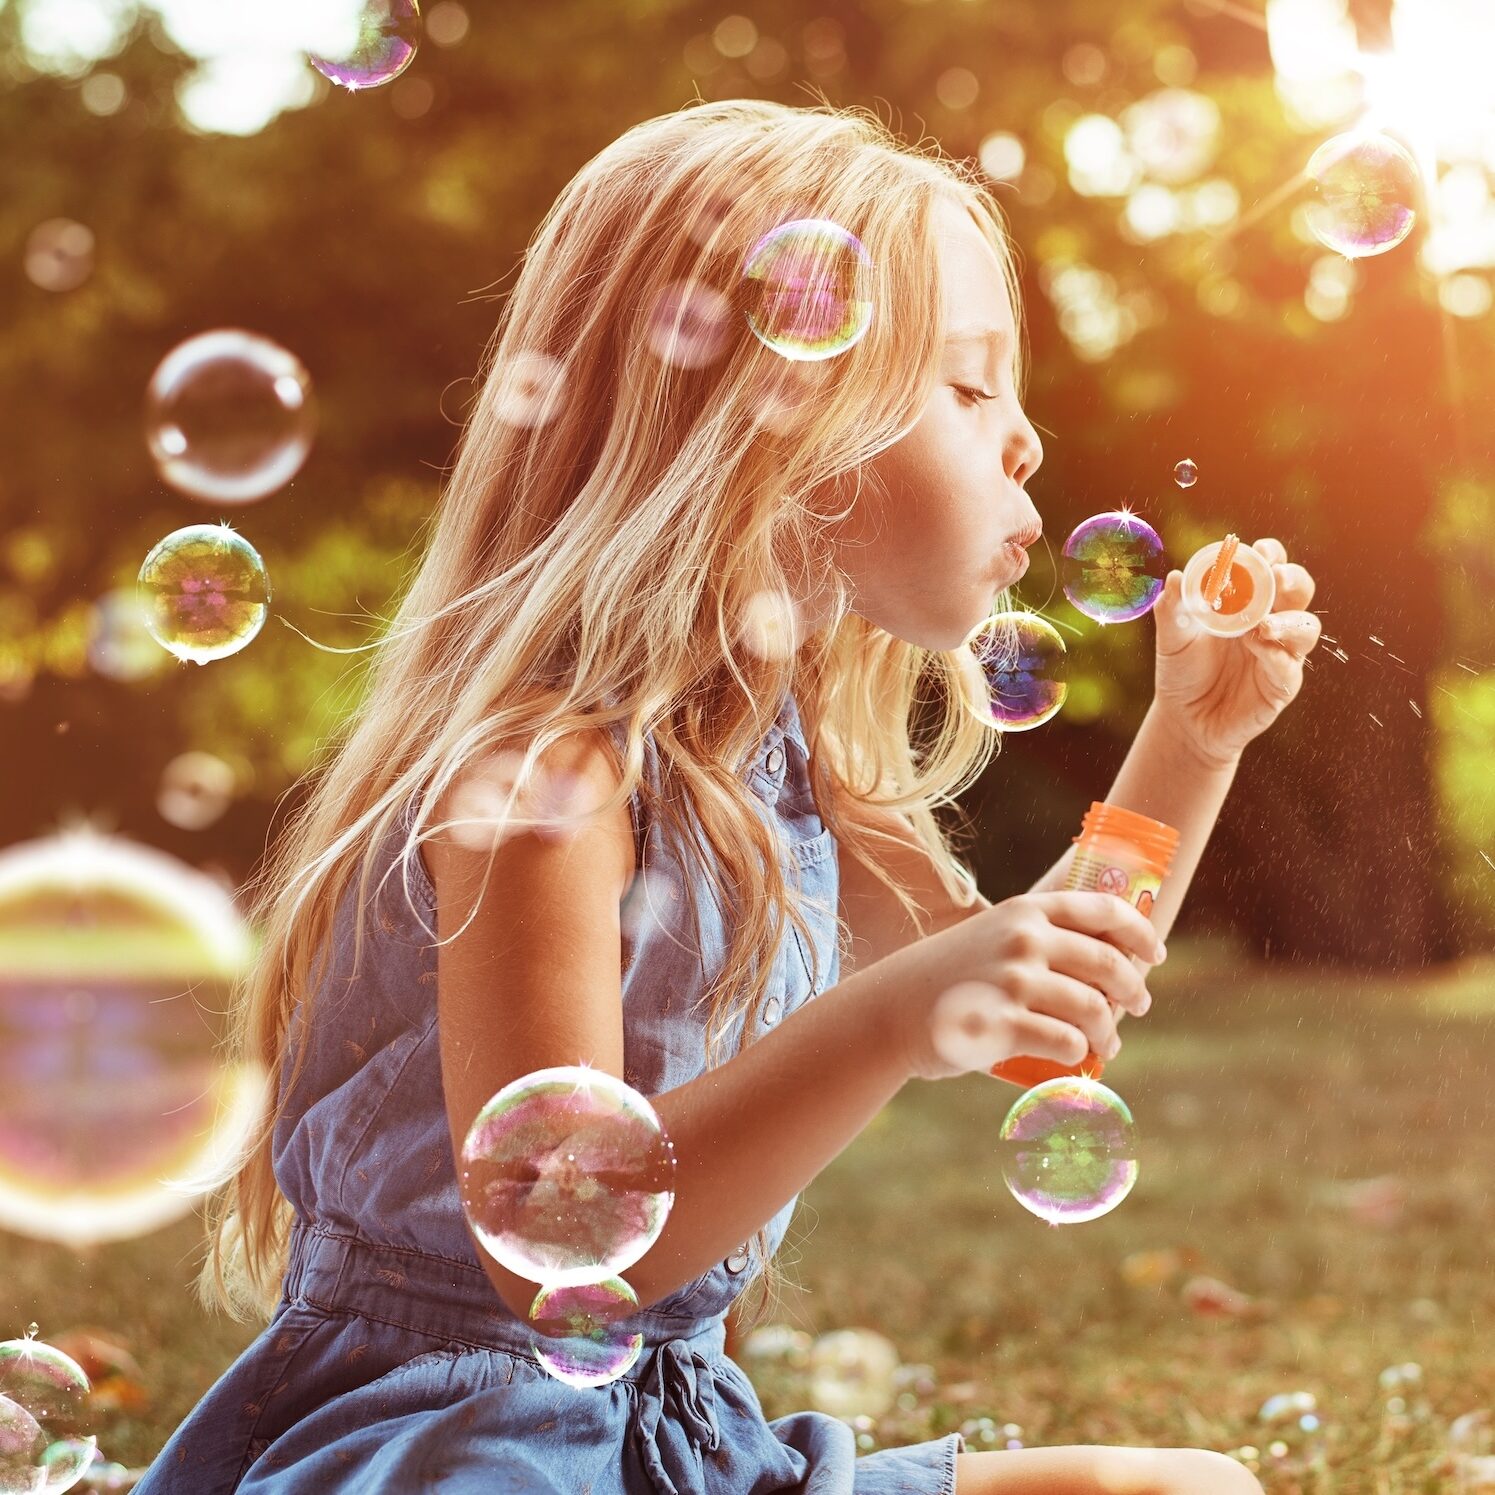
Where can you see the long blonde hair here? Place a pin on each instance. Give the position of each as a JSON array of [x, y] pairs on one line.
[[596, 547]]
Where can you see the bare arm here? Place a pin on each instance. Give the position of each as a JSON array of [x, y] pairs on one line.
[[536, 980]]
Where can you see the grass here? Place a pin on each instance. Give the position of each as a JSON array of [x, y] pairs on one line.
[[1255, 1090]]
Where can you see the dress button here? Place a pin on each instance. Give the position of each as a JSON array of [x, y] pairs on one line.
[[772, 1011], [775, 760], [738, 1260]]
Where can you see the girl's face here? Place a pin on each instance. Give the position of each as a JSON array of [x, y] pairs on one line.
[[941, 530]]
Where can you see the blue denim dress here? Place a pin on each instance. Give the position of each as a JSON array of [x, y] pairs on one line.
[[391, 1364]]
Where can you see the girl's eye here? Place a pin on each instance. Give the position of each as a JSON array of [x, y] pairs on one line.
[[966, 392]]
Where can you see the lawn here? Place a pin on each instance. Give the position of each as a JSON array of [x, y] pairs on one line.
[[1259, 1092]]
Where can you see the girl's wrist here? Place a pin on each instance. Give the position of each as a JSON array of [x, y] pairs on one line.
[[1176, 734]]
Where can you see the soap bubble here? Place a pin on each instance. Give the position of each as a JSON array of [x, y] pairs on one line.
[[967, 1024], [1296, 1433], [1366, 188], [1017, 682], [1186, 473], [378, 42], [49, 1385], [67, 1460], [690, 324], [204, 592], [567, 1176], [581, 1343], [59, 254], [1113, 568], [528, 389], [852, 1373], [196, 788], [808, 287], [119, 644], [22, 1444], [229, 416], [115, 961], [1068, 1151]]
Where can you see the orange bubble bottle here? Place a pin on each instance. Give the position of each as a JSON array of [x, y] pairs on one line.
[[1117, 851]]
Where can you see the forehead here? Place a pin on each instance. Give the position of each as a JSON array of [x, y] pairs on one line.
[[974, 288]]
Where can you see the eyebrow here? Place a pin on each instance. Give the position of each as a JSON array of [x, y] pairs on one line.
[[976, 335]]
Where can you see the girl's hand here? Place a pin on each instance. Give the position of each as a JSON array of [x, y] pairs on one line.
[[1222, 692], [1052, 965]]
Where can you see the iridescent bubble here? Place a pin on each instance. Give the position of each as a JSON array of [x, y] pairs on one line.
[[204, 592], [808, 285], [59, 255], [377, 42], [579, 1340], [49, 1385], [1186, 473], [115, 1101], [1366, 190], [1113, 568], [567, 1176], [852, 1373], [229, 416], [1068, 1150], [196, 788], [22, 1444], [67, 1460], [1018, 681], [690, 324]]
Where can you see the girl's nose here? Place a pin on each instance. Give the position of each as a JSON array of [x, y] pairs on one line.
[[1024, 453]]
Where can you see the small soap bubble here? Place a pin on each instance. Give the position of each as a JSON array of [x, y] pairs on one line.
[[808, 284], [968, 1024], [229, 416], [22, 1445], [1365, 194], [59, 255], [1186, 473], [67, 1460], [778, 1342], [1113, 568], [1068, 1150], [119, 644], [1018, 680], [204, 592], [196, 788], [770, 626], [376, 42], [852, 1373], [567, 1176], [690, 324], [579, 1341], [528, 389], [1294, 1429]]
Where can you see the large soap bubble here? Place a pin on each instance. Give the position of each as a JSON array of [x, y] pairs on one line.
[[580, 1341], [1366, 195], [1068, 1150], [1113, 568], [229, 416], [43, 1403], [567, 1176], [1015, 663], [116, 1106], [377, 41], [204, 592], [808, 285]]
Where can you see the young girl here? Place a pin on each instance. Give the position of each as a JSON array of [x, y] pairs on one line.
[[689, 581]]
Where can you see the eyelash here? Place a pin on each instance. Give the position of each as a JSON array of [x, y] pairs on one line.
[[973, 394]]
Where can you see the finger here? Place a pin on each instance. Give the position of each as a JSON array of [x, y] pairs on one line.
[[1279, 674], [1052, 994], [1297, 632], [1100, 964], [1041, 1037], [1271, 550], [1175, 629], [1294, 586], [1107, 916]]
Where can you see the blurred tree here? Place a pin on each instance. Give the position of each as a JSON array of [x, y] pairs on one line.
[[374, 234]]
